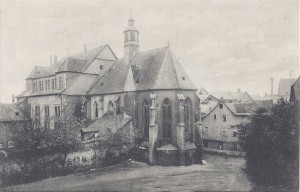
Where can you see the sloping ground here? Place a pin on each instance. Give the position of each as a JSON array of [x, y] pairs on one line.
[[219, 175]]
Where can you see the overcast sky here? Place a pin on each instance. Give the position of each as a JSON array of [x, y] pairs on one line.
[[223, 45]]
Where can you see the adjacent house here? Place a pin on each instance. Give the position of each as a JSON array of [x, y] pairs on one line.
[[10, 118], [295, 96], [220, 125]]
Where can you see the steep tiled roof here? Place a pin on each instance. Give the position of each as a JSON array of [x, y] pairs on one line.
[[40, 71], [80, 84], [295, 90], [73, 65], [155, 69], [285, 86], [10, 112], [241, 109], [108, 122]]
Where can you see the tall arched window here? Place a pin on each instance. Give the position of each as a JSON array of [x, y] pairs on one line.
[[167, 118], [96, 109], [187, 114], [146, 118], [110, 107]]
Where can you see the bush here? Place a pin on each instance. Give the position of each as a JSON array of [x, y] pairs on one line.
[[270, 141]]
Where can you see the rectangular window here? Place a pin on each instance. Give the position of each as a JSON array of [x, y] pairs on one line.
[[57, 111], [234, 134], [206, 130], [215, 116], [224, 133], [1, 145], [55, 83], [221, 106], [101, 67], [224, 118], [46, 85], [52, 84], [37, 115], [46, 110], [235, 146], [60, 83], [42, 85]]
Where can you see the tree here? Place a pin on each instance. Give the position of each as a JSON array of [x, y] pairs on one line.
[[270, 140]]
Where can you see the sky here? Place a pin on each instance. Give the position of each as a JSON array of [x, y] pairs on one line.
[[222, 44]]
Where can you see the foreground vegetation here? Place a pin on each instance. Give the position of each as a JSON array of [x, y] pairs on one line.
[[271, 140]]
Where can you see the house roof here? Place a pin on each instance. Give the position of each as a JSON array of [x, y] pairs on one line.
[[205, 97], [285, 86], [10, 112], [77, 62], [108, 122], [154, 69], [80, 85], [295, 90], [227, 95]]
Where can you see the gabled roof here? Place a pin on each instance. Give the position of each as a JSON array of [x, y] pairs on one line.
[[227, 95], [295, 91], [204, 98], [80, 85], [74, 63], [285, 86], [108, 122], [238, 109], [154, 69], [10, 112]]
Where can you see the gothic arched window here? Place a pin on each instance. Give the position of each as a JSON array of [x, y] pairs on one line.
[[146, 118], [167, 118], [110, 107], [187, 114], [118, 108], [96, 109]]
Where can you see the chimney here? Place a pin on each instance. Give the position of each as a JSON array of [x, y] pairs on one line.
[[238, 90], [51, 61], [85, 50], [272, 86], [13, 98], [55, 60]]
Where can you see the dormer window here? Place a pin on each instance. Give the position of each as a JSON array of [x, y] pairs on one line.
[[221, 106]]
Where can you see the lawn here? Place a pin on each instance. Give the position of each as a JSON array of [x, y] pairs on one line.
[[221, 174]]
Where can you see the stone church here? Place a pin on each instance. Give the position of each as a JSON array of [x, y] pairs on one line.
[[148, 91]]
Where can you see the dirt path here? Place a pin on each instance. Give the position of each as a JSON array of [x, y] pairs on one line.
[[219, 175]]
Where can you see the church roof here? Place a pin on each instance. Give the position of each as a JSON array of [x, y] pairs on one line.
[[154, 69]]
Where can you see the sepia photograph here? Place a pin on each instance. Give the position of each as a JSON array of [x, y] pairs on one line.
[[149, 95]]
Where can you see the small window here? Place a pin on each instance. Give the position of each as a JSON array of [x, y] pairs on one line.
[[101, 67], [17, 113], [10, 144], [234, 134], [221, 106], [132, 36], [230, 101], [57, 111], [215, 116], [183, 78], [1, 145], [102, 84], [224, 133], [206, 130], [224, 118]]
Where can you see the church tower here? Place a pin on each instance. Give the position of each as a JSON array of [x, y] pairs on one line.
[[131, 40]]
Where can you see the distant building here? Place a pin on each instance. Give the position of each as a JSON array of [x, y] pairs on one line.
[[10, 118], [295, 96], [233, 97], [284, 88]]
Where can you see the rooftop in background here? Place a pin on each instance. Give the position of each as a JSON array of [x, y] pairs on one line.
[[285, 86], [10, 112]]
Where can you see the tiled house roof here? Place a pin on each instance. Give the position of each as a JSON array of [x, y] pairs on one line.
[[80, 84], [228, 95], [10, 112]]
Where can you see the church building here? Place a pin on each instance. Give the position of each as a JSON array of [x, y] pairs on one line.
[[148, 91]]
